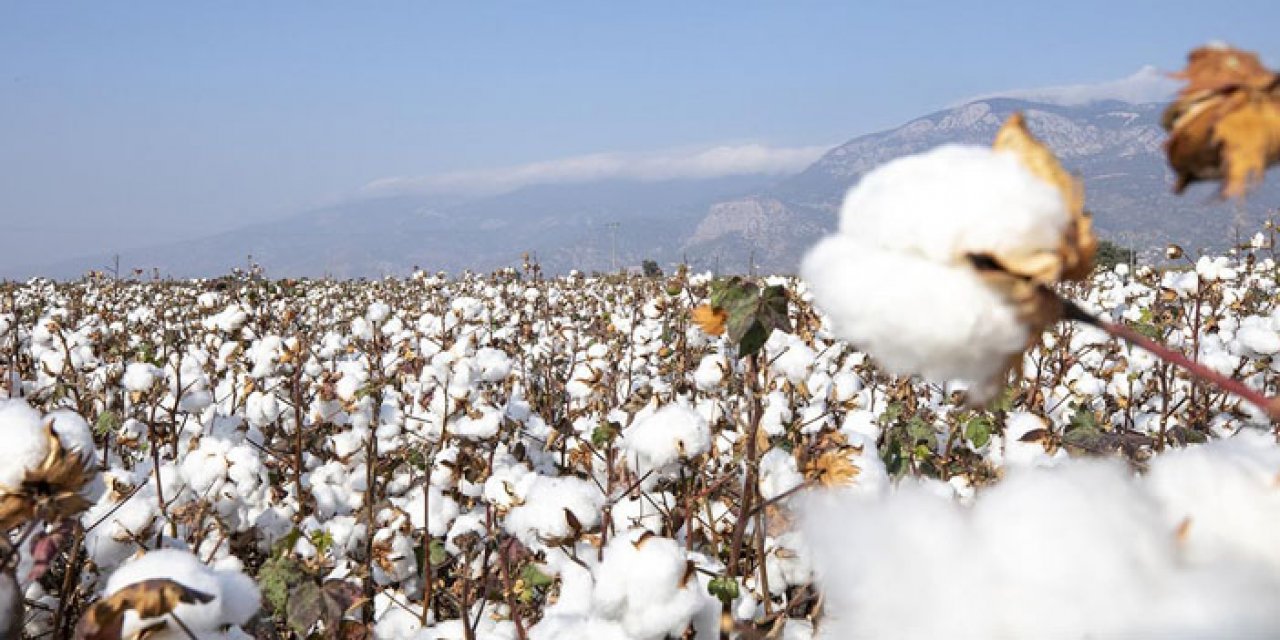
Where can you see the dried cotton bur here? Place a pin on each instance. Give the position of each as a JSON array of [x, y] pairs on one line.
[[1225, 123], [48, 466], [943, 260]]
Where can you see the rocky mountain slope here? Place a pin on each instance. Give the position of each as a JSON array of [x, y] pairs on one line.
[[1116, 147], [727, 224]]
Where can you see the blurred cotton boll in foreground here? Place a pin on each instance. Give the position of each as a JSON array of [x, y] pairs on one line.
[[1085, 549], [940, 260]]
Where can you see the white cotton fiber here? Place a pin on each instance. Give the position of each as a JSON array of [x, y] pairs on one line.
[[647, 586], [26, 443], [235, 596], [665, 437], [953, 200], [542, 515], [1084, 549], [914, 316], [895, 279]]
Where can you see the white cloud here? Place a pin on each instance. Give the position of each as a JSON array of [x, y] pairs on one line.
[[713, 162], [1147, 84]]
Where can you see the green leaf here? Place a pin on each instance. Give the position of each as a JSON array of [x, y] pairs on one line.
[[920, 431], [978, 430], [437, 553], [303, 611], [603, 434], [1147, 329], [753, 341], [772, 310], [276, 577], [322, 539], [107, 422], [1083, 419], [534, 577]]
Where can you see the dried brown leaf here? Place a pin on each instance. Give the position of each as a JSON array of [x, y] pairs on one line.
[[710, 319], [834, 467], [1225, 123], [1214, 68]]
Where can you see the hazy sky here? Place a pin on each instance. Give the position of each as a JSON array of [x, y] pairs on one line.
[[123, 124]]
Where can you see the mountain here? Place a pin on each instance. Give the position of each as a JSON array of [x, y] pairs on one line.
[[571, 226], [726, 224], [1115, 147]]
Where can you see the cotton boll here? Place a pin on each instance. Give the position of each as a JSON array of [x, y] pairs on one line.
[[494, 365], [778, 474], [789, 356], [235, 596], [1223, 495], [378, 311], [1258, 340], [139, 377], [394, 622], [26, 442], [915, 221], [482, 426], [1080, 550], [673, 433], [542, 515], [777, 414], [788, 562], [947, 324], [646, 583], [1018, 453], [953, 200], [440, 510], [711, 372]]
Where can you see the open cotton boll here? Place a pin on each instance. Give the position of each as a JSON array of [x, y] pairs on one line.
[[953, 200], [711, 372], [542, 514], [938, 321], [494, 365], [968, 235], [1258, 338], [646, 584], [1027, 454], [26, 443], [235, 596], [1223, 496], [140, 376], [778, 474], [1080, 550], [665, 437]]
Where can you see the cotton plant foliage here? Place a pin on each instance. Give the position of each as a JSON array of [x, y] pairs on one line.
[[970, 238], [1225, 123]]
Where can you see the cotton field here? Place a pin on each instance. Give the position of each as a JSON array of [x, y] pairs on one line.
[[518, 457]]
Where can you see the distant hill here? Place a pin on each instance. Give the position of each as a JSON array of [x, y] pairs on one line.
[[1116, 147], [728, 224], [563, 226]]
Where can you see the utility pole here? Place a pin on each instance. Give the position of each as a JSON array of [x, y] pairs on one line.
[[613, 244]]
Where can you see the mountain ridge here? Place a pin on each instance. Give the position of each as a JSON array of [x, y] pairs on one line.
[[762, 223]]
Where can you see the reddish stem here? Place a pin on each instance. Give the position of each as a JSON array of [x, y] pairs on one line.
[[1269, 404]]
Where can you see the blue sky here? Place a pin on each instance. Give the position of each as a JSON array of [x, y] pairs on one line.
[[129, 123]]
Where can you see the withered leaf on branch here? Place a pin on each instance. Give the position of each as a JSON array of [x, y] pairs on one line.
[[833, 467], [149, 599], [310, 603], [710, 319], [1225, 123]]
